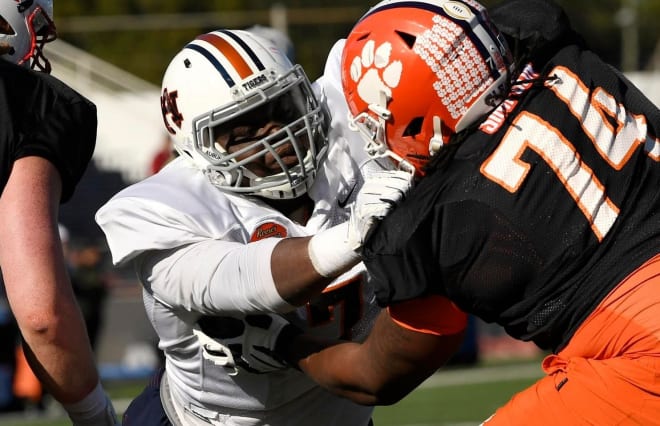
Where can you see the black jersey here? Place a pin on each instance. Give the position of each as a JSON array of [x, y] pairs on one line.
[[541, 212], [41, 116]]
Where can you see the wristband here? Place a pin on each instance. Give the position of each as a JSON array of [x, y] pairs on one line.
[[330, 251]]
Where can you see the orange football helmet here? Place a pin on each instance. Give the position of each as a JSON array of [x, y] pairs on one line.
[[416, 72]]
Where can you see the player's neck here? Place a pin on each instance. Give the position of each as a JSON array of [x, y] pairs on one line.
[[298, 209]]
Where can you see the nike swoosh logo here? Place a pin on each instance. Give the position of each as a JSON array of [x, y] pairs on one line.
[[343, 202]]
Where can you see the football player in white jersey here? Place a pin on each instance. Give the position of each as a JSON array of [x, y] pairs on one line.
[[263, 210]]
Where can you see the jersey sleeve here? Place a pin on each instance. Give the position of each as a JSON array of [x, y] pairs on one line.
[[432, 314], [52, 121], [189, 244], [213, 277]]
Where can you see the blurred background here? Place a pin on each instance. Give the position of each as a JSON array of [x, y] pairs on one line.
[[115, 52], [141, 36]]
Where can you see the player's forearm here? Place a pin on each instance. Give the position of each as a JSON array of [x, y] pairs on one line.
[[57, 349], [56, 346], [36, 282], [298, 276], [334, 366], [388, 365], [295, 278]]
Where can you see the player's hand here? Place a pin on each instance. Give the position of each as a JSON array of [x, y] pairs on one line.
[[381, 192]]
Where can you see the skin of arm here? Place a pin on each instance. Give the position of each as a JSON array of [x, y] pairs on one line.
[[386, 367], [37, 284], [294, 275]]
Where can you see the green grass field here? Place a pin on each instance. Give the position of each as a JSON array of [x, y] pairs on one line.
[[453, 397]]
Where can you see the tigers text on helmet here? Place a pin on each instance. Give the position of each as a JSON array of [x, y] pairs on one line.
[[32, 25], [416, 72], [218, 81]]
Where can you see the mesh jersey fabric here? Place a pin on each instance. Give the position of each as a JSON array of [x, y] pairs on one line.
[[535, 257]]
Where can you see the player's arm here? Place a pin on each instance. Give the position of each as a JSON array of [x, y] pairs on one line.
[[294, 275], [302, 267], [38, 289], [399, 354], [271, 275], [40, 294]]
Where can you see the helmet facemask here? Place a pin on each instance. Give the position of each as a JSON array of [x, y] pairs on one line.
[[371, 126], [289, 102], [32, 27]]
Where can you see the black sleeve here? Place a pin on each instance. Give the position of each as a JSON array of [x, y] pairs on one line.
[[534, 29], [65, 134], [46, 118]]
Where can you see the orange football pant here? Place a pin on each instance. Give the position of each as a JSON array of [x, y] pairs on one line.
[[609, 373]]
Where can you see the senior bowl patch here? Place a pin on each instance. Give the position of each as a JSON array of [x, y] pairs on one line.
[[267, 230]]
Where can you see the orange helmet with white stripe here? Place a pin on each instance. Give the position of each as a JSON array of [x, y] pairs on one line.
[[416, 72], [225, 77]]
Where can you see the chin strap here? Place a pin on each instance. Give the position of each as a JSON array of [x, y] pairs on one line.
[[436, 142]]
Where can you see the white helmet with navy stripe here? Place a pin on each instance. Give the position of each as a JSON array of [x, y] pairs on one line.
[[223, 75]]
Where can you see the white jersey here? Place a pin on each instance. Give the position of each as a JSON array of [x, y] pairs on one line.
[[188, 241]]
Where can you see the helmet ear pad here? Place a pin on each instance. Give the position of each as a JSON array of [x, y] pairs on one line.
[[437, 64]]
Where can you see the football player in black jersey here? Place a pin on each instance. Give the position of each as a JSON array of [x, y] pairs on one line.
[[538, 209], [47, 137]]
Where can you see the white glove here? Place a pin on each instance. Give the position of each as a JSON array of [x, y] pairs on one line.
[[381, 192], [335, 250], [249, 345]]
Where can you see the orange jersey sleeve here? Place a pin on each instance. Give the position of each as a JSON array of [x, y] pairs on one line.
[[431, 315]]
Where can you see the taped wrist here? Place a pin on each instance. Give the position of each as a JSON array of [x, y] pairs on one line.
[[331, 251]]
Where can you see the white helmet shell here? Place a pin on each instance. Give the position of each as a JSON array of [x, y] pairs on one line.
[[224, 74], [33, 26]]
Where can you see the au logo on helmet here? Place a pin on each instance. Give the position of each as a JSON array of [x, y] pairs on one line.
[[170, 110]]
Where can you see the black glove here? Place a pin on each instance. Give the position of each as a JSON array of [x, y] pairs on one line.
[[250, 343]]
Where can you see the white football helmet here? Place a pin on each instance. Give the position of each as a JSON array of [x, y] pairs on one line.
[[219, 77], [416, 72], [32, 23]]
